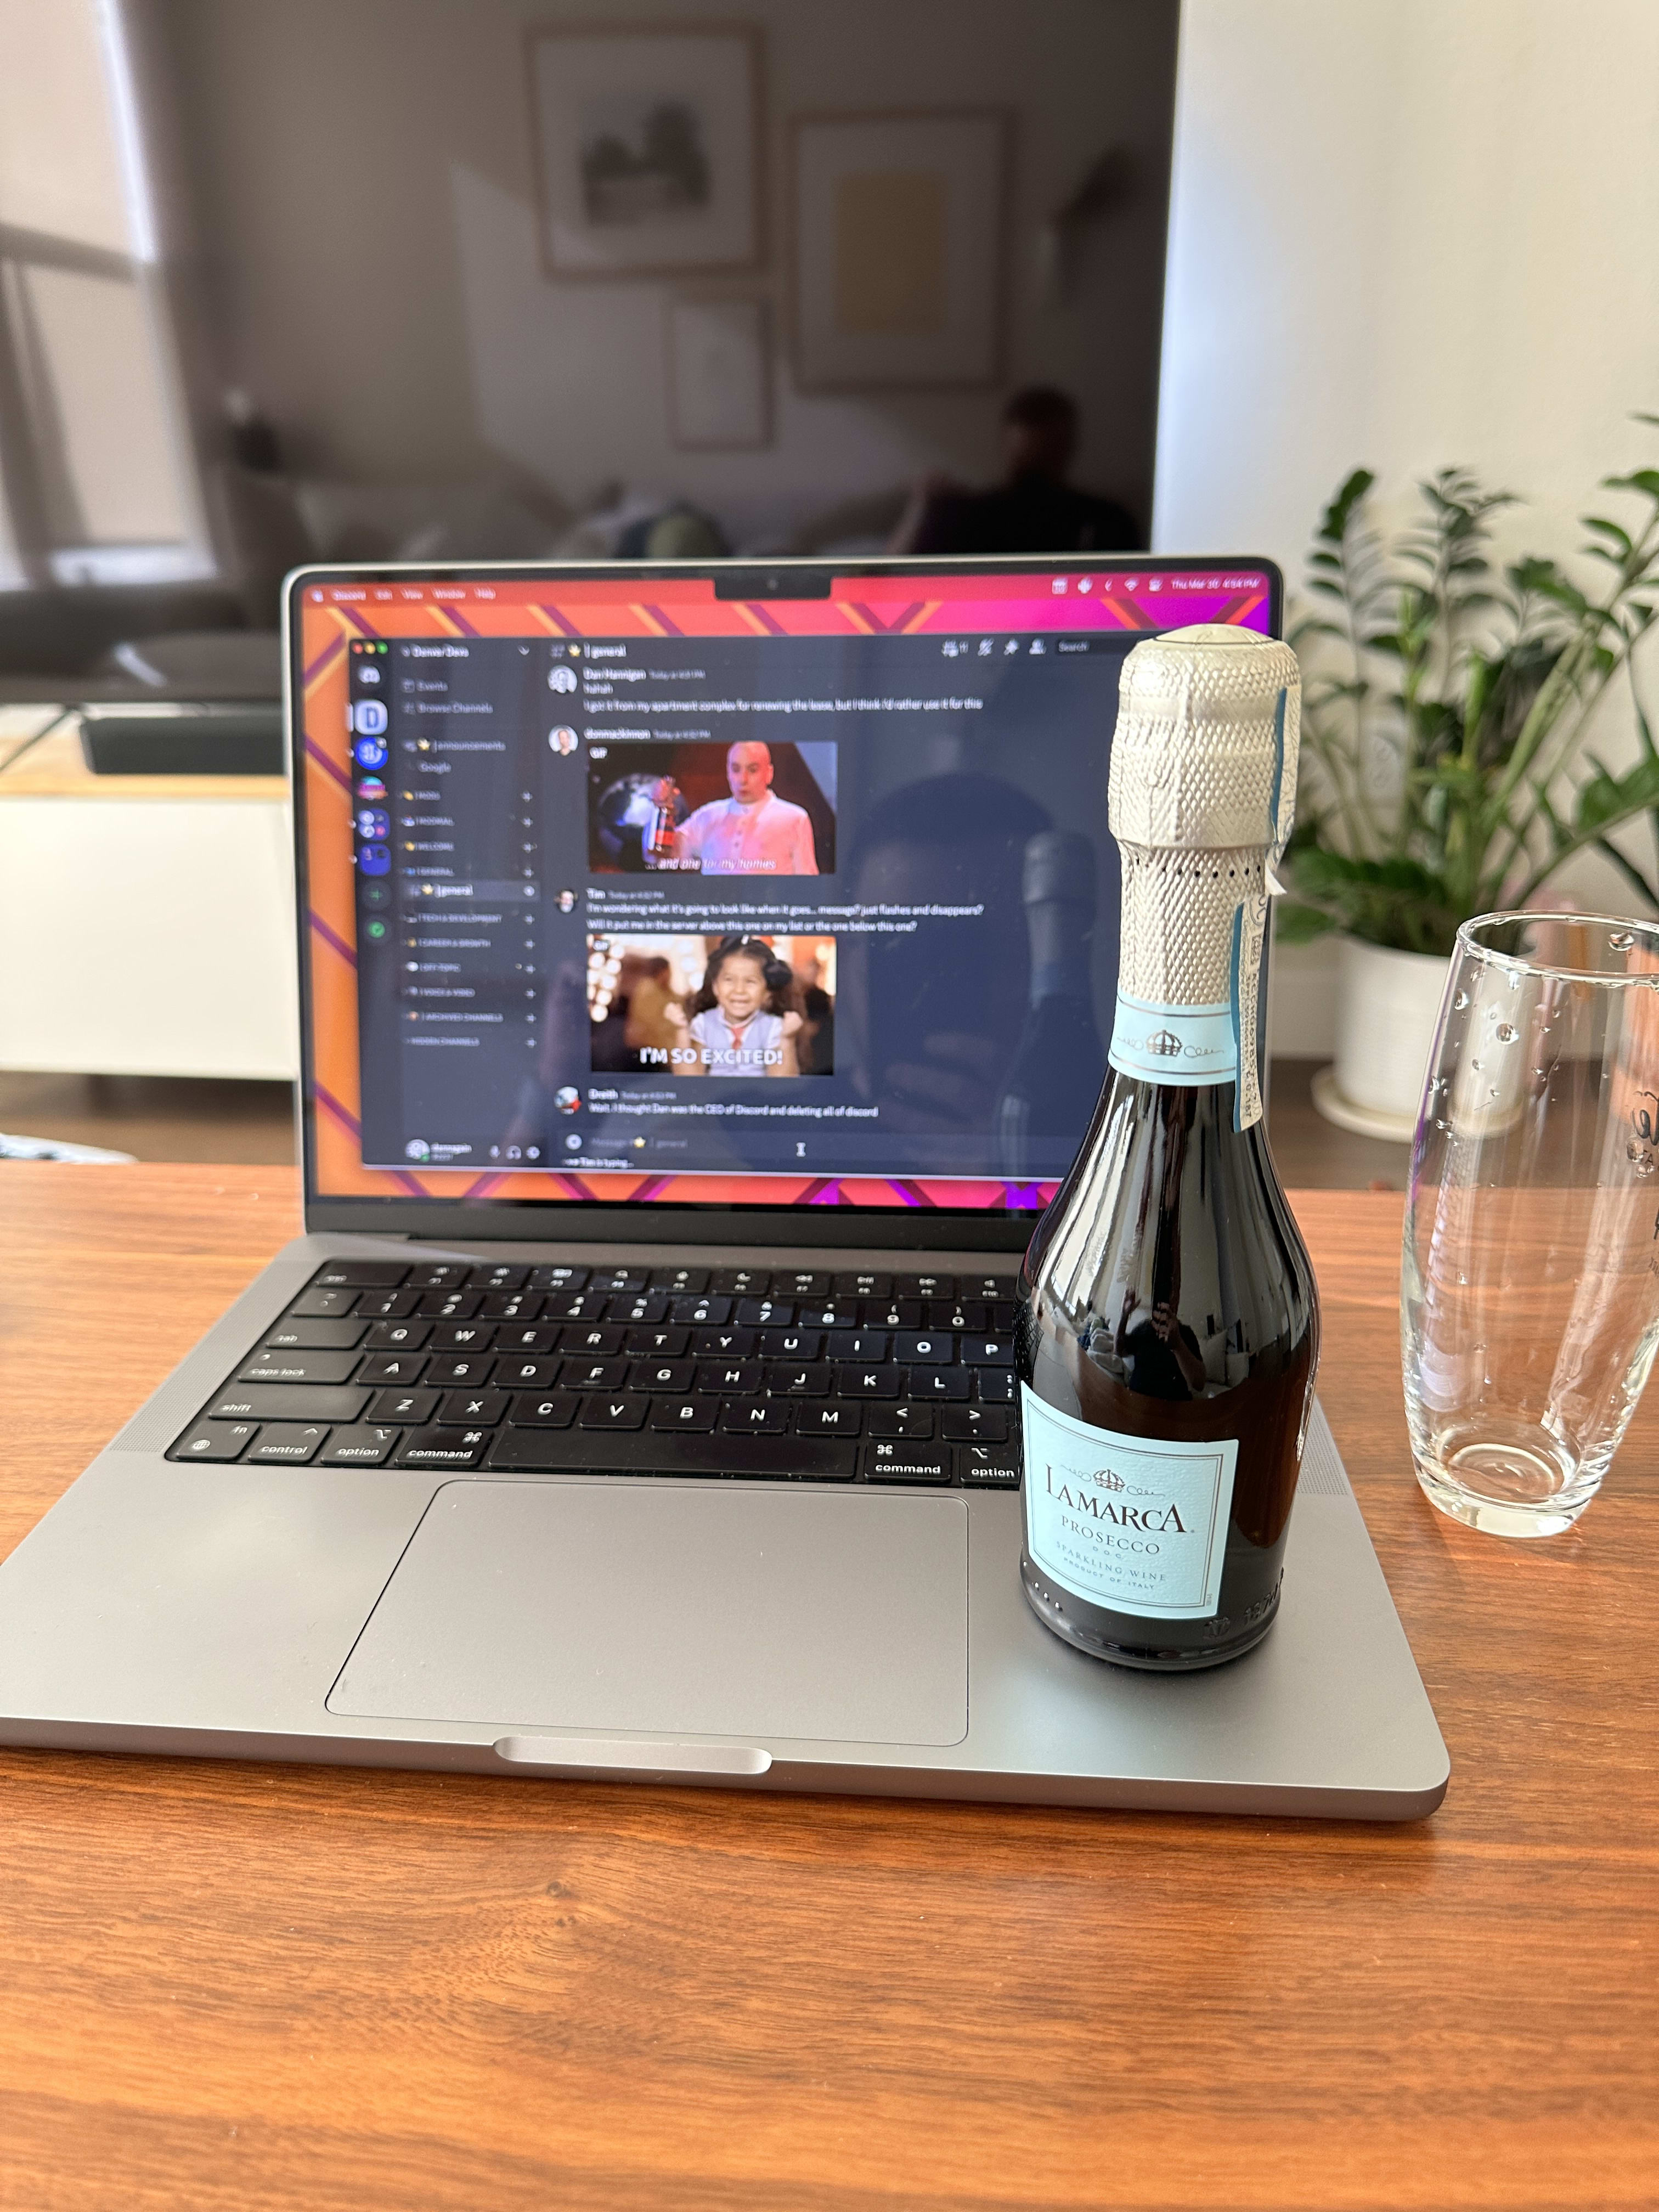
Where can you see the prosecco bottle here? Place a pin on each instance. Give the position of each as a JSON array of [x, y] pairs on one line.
[[1168, 1328]]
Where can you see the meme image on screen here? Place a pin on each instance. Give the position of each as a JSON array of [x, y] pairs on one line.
[[703, 808], [727, 1007]]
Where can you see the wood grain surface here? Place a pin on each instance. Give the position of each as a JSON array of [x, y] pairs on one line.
[[252, 1987], [57, 768]]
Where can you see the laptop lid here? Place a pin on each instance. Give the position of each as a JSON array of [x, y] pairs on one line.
[[685, 900]]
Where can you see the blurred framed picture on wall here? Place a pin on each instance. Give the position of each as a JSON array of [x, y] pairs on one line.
[[647, 148], [898, 245]]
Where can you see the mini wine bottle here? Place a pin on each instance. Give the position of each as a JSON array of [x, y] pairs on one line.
[[1168, 1329]]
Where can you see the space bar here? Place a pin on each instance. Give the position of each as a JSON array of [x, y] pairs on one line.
[[800, 1459]]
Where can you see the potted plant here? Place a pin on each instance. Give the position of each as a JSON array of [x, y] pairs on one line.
[[1444, 717]]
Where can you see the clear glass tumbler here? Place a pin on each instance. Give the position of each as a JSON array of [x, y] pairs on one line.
[[1529, 1292]]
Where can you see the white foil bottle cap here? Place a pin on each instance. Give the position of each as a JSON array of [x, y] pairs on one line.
[[1201, 797]]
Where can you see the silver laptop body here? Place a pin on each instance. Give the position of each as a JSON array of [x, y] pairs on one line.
[[624, 1605]]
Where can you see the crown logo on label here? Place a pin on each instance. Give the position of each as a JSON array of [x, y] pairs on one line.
[[1108, 1480], [1165, 1044]]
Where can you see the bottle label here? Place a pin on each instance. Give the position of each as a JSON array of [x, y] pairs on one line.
[[1188, 1045], [1137, 1524]]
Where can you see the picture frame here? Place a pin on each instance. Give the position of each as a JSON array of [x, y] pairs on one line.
[[718, 372], [898, 248], [648, 149]]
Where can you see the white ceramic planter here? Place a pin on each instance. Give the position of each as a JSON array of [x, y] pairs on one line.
[[1388, 1004]]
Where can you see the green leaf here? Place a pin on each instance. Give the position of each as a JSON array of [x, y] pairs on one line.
[[1297, 924], [1620, 538], [1644, 480]]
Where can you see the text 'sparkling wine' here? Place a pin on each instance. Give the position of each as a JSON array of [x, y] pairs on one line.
[[1168, 1328]]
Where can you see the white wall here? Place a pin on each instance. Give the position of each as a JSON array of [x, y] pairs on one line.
[[366, 204], [1405, 233]]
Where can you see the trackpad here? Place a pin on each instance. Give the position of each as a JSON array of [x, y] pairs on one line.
[[835, 1616]]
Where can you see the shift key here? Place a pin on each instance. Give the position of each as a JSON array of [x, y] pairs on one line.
[[287, 1401], [268, 1365]]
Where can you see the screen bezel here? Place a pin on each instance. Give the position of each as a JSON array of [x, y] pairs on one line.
[[530, 1220]]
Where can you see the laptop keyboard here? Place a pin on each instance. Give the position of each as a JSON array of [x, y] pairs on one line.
[[766, 1373]]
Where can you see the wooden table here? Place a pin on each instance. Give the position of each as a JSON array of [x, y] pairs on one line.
[[258, 1987]]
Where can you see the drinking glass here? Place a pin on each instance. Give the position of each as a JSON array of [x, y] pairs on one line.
[[1529, 1292]]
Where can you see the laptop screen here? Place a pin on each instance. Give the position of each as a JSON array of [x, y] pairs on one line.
[[676, 888]]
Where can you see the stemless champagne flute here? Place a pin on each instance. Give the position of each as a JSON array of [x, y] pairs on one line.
[[1529, 1293]]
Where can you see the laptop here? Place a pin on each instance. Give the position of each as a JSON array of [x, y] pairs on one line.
[[706, 975]]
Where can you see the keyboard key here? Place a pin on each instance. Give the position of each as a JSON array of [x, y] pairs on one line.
[[499, 1275], [799, 1285], [965, 1424], [535, 1338], [987, 1466], [463, 1336], [987, 1351], [647, 1306], [215, 1440], [449, 1305], [526, 1374], [673, 1374], [396, 1335], [397, 1407], [585, 1305], [862, 1286], [296, 1443], [702, 1312], [362, 1275], [568, 1280], [894, 1461], [740, 1282], [600, 1342], [939, 1382], [759, 1417], [473, 1409], [323, 1304], [811, 1315], [765, 1313], [956, 1313], [691, 1417], [937, 1349], [621, 1280], [828, 1421], [443, 1448], [722, 1343], [794, 1378], [554, 1409], [683, 1279], [789, 1343], [315, 1335], [892, 1313], [926, 1286], [858, 1344], [656, 1343], [510, 1305], [996, 1386], [297, 1367], [287, 1401], [387, 1305], [358, 1446], [901, 1420], [439, 1275], [616, 1410], [662, 1451], [862, 1381], [594, 1374], [738, 1376], [988, 1286], [456, 1371], [383, 1367]]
